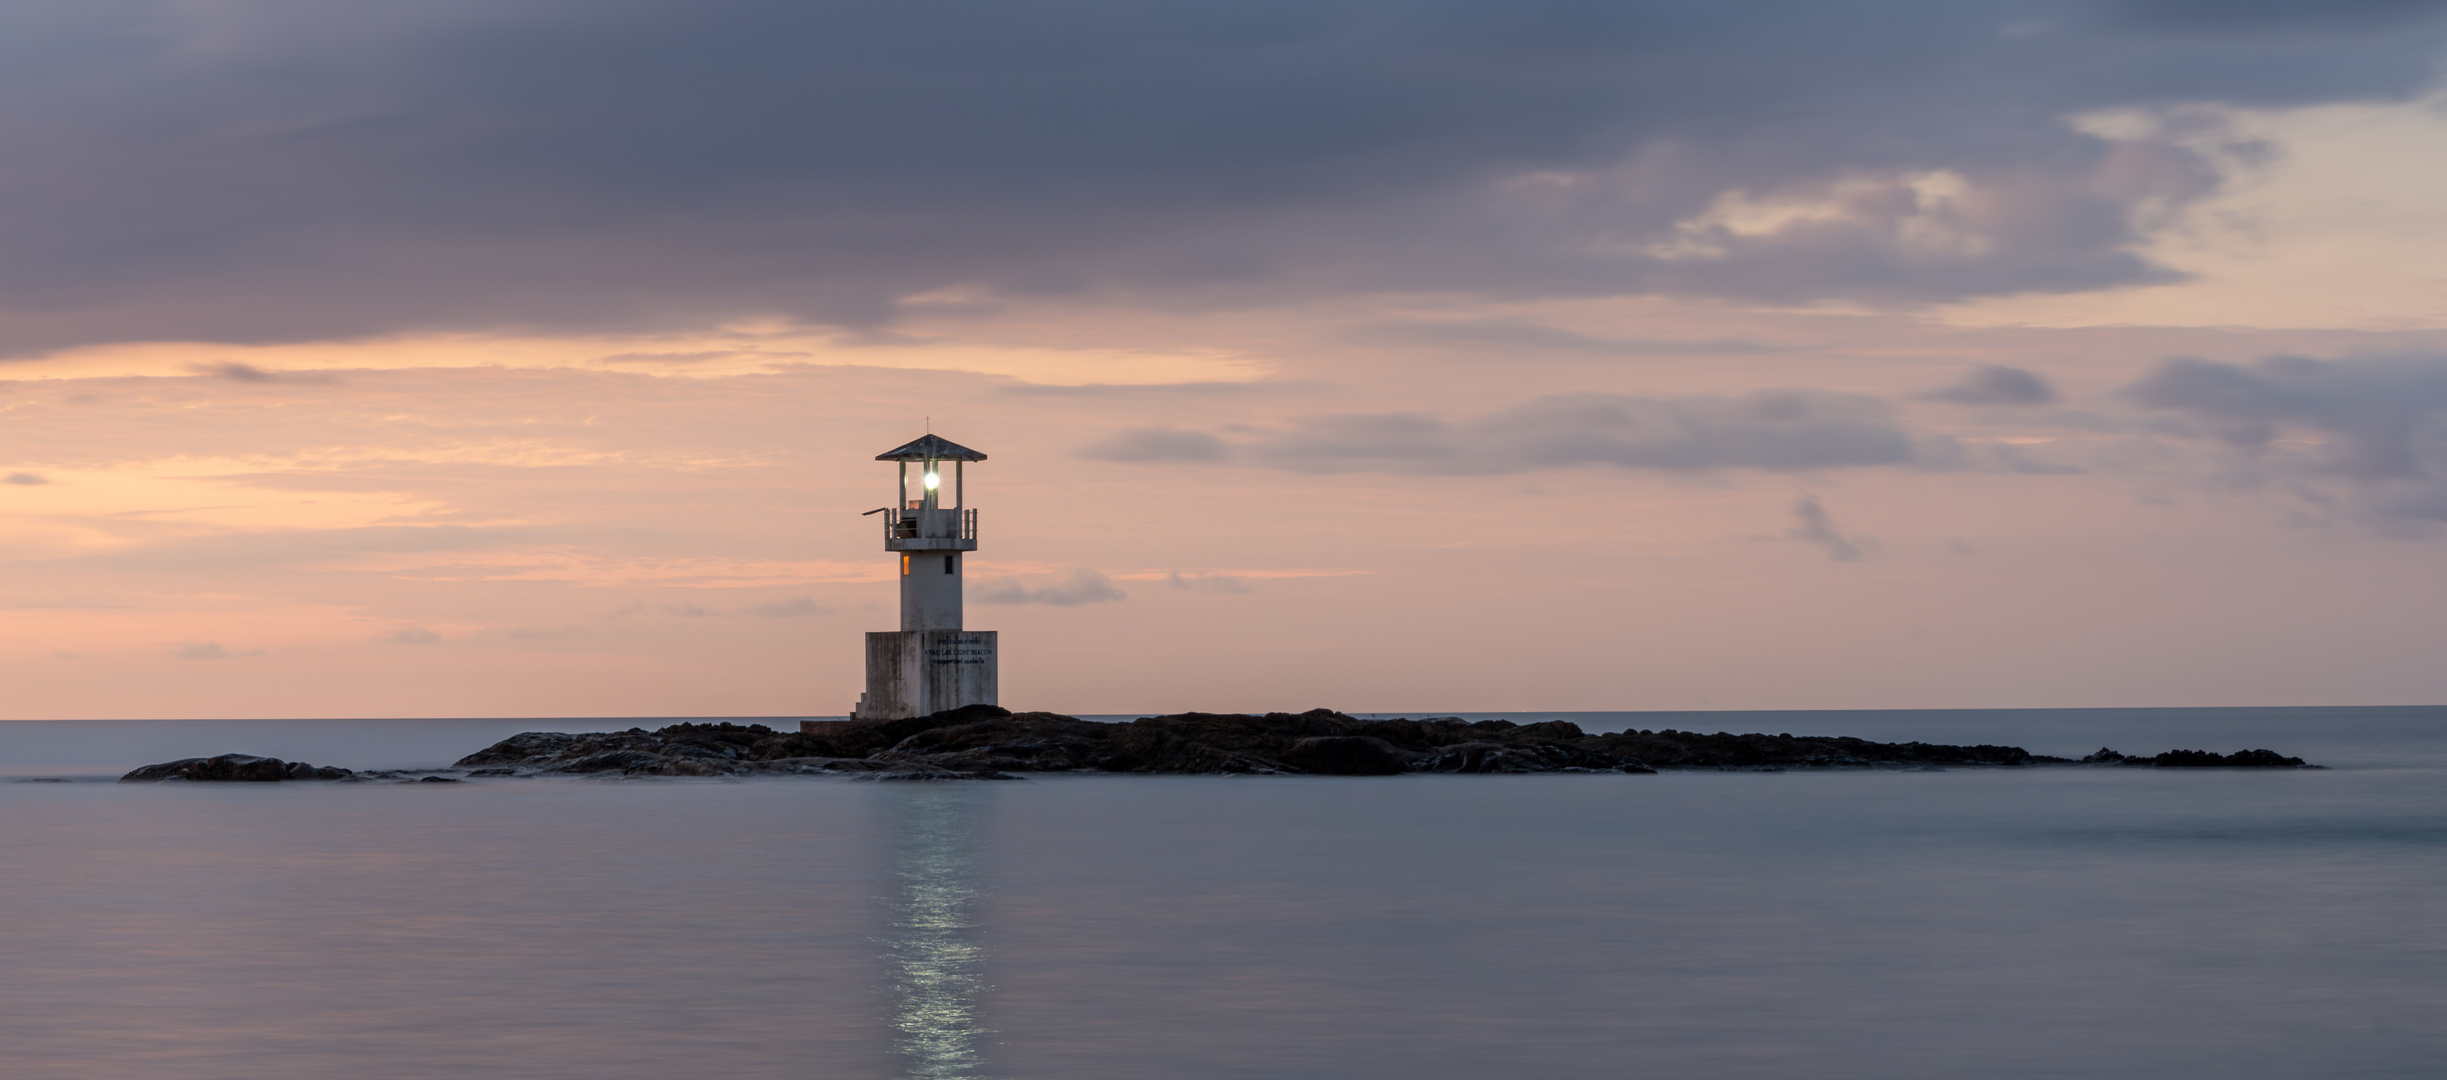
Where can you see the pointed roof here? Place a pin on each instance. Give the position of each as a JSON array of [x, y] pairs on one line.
[[931, 448]]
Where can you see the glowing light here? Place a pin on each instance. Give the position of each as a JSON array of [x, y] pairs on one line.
[[933, 481]]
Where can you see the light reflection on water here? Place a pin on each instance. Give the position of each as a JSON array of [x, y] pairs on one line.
[[2010, 925], [936, 959]]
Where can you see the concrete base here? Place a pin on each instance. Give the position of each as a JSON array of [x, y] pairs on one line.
[[923, 672]]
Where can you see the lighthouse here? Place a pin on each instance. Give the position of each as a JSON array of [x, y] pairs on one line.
[[931, 663]]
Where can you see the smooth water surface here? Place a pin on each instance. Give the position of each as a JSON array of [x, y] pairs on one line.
[[1997, 923]]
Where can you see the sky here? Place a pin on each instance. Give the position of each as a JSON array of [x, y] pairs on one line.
[[529, 357]]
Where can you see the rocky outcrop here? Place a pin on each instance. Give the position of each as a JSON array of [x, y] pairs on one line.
[[1325, 742], [1671, 749], [702, 750], [237, 768], [983, 741], [2196, 759], [1346, 755]]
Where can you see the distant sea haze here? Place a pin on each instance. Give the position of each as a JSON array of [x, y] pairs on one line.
[[2042, 922]]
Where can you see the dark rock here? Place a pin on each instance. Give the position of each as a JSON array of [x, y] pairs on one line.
[[1024, 742], [1484, 757], [984, 741], [718, 749], [1344, 755], [438, 780], [864, 738], [1551, 730], [1671, 749], [923, 772], [2199, 759], [2240, 759], [234, 768], [623, 760]]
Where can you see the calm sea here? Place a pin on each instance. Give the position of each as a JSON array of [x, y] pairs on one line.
[[2019, 923]]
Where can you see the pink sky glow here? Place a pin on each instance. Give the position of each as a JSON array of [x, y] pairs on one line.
[[1656, 426]]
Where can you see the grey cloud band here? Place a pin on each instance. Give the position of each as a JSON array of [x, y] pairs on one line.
[[259, 170]]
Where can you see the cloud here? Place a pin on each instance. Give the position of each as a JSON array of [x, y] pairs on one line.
[[25, 478], [2272, 15], [1163, 390], [2378, 426], [547, 633], [1996, 385], [1816, 527], [1777, 430], [1529, 336], [2385, 413], [231, 369], [1945, 453], [1158, 444], [1908, 236], [208, 650], [667, 357], [796, 607], [543, 163], [1771, 430], [1231, 584], [1083, 586], [412, 635]]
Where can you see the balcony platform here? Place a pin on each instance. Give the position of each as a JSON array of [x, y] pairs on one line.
[[930, 530]]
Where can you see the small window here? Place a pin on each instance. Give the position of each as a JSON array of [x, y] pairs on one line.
[[947, 564], [904, 566]]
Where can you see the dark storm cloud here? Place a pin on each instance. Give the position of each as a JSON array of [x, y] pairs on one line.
[[270, 169], [2377, 424], [1996, 385]]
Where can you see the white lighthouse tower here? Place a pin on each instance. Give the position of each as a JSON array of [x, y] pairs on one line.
[[930, 664]]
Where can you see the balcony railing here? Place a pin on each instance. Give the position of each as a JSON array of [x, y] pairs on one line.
[[930, 524]]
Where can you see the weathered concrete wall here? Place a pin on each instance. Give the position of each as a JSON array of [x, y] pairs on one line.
[[890, 695], [930, 590], [922, 672], [962, 667]]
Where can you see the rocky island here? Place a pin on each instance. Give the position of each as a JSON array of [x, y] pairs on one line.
[[235, 768], [987, 742]]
